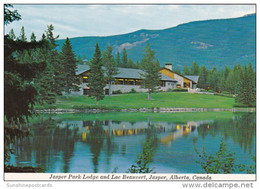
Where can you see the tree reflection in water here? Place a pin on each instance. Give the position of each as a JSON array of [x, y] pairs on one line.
[[241, 129], [51, 141], [95, 140]]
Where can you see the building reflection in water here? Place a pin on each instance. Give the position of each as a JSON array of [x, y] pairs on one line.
[[121, 129], [52, 144]]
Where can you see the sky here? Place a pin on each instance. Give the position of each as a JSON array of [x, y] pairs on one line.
[[105, 20]]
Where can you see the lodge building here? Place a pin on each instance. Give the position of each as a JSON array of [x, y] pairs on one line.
[[128, 78]]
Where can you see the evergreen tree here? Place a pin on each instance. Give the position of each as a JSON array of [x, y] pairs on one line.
[[12, 35], [138, 64], [19, 90], [223, 79], [213, 80], [54, 59], [96, 81], [151, 67], [186, 70], [177, 70], [79, 60], [246, 88], [22, 36], [33, 37], [10, 15], [23, 55], [203, 79], [194, 70], [110, 66], [50, 36], [68, 61], [84, 57], [124, 59], [45, 83], [131, 64], [118, 61]]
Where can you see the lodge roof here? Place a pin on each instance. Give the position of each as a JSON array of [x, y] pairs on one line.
[[129, 73], [194, 78]]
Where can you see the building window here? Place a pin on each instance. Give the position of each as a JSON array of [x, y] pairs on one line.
[[129, 82], [119, 81], [85, 78], [138, 82], [163, 83]]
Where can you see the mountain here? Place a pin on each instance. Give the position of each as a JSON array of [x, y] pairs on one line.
[[211, 43]]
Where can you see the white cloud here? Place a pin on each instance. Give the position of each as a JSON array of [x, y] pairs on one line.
[[103, 20]]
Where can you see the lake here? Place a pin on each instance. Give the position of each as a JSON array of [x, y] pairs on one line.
[[111, 142]]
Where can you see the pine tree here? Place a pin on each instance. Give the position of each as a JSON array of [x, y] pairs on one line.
[[54, 59], [186, 70], [194, 69], [45, 82], [19, 91], [10, 15], [23, 55], [203, 79], [177, 70], [151, 67], [124, 59], [110, 66], [79, 60], [213, 80], [246, 87], [223, 79], [68, 62], [33, 37], [231, 82], [96, 81], [12, 35], [118, 61], [131, 64], [84, 57], [22, 36]]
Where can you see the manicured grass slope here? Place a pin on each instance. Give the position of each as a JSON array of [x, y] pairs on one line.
[[139, 100]]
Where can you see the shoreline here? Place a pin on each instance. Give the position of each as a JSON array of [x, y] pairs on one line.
[[156, 110]]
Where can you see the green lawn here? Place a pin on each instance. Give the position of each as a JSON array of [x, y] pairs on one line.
[[139, 100]]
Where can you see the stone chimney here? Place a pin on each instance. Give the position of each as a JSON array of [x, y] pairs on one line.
[[168, 66]]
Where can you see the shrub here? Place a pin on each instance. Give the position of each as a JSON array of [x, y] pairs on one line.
[[225, 92], [144, 158], [117, 92], [222, 162], [180, 90], [132, 90], [226, 95], [240, 105], [210, 91]]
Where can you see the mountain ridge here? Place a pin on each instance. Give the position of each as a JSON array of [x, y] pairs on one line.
[[215, 42]]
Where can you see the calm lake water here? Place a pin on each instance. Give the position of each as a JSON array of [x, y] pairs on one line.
[[101, 143]]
